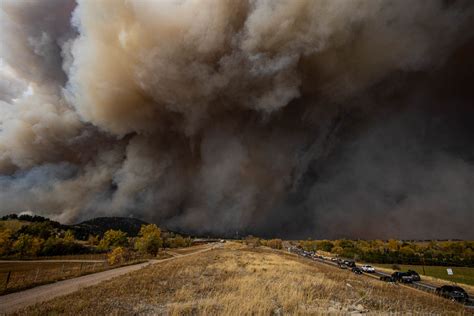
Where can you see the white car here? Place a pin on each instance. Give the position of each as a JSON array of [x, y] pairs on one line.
[[367, 268]]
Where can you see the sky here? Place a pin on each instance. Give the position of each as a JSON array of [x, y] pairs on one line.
[[293, 119]]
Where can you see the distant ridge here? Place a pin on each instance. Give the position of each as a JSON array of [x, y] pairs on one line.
[[99, 225]]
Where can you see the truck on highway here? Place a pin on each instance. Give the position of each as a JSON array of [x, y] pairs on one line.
[[402, 277]]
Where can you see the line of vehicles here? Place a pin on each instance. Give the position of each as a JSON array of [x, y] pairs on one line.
[[410, 277]]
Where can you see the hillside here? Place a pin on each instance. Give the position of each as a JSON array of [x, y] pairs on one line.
[[237, 279], [98, 226]]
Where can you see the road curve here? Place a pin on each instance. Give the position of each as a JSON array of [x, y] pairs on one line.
[[15, 301]]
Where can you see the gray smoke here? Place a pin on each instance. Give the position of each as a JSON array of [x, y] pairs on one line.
[[293, 118]]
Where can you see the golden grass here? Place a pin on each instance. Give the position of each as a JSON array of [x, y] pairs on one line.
[[29, 274], [237, 280], [186, 250]]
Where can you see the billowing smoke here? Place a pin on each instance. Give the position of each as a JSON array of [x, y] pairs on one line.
[[317, 118]]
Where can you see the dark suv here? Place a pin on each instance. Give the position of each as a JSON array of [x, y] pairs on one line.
[[402, 277], [452, 292], [415, 276], [356, 270]]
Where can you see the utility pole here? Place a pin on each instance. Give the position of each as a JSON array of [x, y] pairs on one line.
[[423, 258]]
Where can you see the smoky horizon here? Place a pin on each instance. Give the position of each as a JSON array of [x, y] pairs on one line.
[[291, 119]]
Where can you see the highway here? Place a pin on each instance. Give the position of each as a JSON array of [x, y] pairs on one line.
[[419, 285]]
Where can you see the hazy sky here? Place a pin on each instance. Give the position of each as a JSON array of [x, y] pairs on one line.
[[318, 118]]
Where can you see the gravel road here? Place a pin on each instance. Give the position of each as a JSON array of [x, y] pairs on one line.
[[15, 301]]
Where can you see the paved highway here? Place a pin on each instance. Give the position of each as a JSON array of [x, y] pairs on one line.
[[420, 285]]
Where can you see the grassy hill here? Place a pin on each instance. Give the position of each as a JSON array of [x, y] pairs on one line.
[[238, 279]]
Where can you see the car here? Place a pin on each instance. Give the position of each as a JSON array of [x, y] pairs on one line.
[[356, 270], [402, 277], [452, 292], [368, 268], [387, 278], [349, 263], [342, 266], [414, 275]]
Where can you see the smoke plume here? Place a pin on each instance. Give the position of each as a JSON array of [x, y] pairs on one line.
[[317, 118]]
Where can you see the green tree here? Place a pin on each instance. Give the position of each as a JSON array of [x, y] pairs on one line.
[[55, 246], [27, 245], [5, 241], [42, 230], [393, 245], [325, 245], [113, 238], [117, 256], [338, 250], [149, 240], [69, 236]]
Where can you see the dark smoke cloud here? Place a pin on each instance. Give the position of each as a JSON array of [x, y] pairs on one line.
[[290, 118]]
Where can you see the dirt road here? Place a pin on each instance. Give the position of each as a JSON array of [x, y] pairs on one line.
[[50, 260], [15, 301]]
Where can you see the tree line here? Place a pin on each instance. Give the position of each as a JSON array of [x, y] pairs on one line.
[[448, 253], [45, 238]]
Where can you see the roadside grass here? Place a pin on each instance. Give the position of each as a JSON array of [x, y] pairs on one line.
[[238, 280], [25, 275], [186, 250], [32, 272], [29, 274], [463, 275]]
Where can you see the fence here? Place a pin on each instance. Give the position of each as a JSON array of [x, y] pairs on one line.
[[13, 280]]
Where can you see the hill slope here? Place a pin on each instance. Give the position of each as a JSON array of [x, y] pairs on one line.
[[99, 225], [236, 280]]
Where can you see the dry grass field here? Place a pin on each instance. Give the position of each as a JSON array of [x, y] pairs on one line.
[[236, 280], [28, 274]]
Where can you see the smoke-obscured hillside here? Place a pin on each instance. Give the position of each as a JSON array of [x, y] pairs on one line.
[[82, 231], [279, 118]]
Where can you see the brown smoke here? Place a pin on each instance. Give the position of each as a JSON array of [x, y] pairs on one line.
[[224, 116]]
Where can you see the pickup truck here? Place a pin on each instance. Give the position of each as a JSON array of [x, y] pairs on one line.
[[368, 268], [402, 277], [414, 275]]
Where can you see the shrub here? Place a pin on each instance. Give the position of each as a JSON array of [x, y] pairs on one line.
[[27, 245], [93, 240], [177, 242], [113, 238], [5, 241], [61, 246], [252, 241], [42, 230], [149, 240], [275, 243], [118, 255]]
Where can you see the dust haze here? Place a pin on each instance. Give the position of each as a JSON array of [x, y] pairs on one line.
[[323, 119]]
